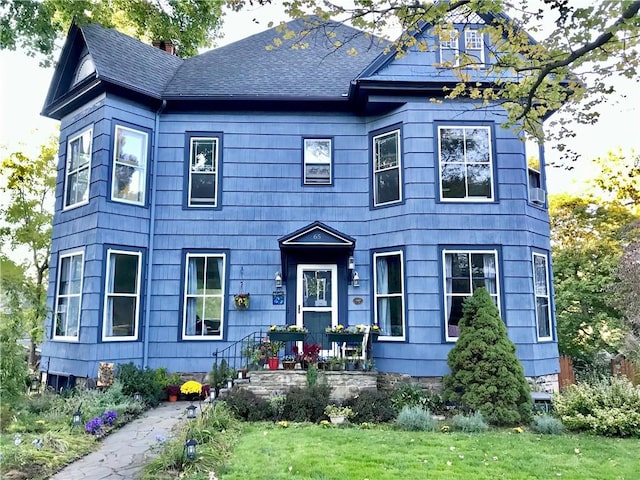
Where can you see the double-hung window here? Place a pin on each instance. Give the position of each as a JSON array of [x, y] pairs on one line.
[[317, 161], [69, 296], [389, 294], [78, 169], [203, 171], [122, 295], [474, 46], [449, 51], [464, 271], [129, 179], [541, 289], [466, 163], [387, 173], [204, 296]]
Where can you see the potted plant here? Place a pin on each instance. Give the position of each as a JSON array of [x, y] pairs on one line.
[[337, 413], [336, 364], [323, 363], [191, 390], [271, 350], [253, 352], [309, 355], [289, 362], [172, 392], [241, 301]]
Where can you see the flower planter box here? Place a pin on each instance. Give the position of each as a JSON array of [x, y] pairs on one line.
[[337, 419], [345, 337], [287, 336]]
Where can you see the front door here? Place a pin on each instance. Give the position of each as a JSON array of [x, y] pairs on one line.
[[317, 301]]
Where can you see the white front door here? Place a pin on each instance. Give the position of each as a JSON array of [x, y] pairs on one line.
[[317, 301]]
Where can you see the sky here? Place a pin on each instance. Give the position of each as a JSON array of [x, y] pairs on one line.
[[24, 85]]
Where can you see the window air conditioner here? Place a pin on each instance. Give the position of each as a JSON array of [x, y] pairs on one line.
[[537, 195]]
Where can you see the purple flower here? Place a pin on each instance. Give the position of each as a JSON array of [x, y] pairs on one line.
[[94, 426], [109, 417]]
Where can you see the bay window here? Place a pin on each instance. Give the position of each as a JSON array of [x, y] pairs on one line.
[[78, 169], [122, 295], [69, 296]]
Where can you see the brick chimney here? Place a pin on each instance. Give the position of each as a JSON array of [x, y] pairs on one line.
[[166, 45]]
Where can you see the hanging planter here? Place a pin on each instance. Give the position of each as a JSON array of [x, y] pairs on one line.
[[241, 301]]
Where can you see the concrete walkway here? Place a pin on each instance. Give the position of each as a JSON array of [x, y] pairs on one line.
[[123, 453]]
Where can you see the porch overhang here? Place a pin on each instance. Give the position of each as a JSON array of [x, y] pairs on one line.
[[314, 238]]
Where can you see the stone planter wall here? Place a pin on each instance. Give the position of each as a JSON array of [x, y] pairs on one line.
[[343, 384]]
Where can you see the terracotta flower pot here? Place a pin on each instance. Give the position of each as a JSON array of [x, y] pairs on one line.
[[173, 398], [273, 363]]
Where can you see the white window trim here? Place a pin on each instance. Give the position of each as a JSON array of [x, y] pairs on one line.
[[106, 338], [305, 163], [452, 44], [222, 296], [444, 284], [67, 172], [401, 295], [68, 338], [395, 132], [467, 199], [215, 174], [115, 161], [471, 51], [547, 296]]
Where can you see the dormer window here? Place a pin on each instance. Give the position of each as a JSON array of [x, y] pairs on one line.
[[85, 67]]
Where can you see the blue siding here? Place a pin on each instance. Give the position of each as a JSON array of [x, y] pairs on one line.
[[263, 200]]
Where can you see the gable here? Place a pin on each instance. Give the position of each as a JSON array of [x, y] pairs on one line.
[[316, 235]]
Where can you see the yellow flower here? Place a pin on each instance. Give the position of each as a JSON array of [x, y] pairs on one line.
[[191, 387], [272, 328], [518, 429], [444, 429], [283, 424]]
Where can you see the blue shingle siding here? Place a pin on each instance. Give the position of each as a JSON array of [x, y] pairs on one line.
[[262, 199]]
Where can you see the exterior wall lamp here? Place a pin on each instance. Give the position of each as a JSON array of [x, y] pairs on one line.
[[278, 280], [355, 279]]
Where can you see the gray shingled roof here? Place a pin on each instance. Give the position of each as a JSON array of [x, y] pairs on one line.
[[247, 69], [126, 61]]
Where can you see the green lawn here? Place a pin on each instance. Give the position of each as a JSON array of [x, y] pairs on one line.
[[304, 451]]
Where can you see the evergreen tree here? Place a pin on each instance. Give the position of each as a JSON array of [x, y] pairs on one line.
[[485, 374]]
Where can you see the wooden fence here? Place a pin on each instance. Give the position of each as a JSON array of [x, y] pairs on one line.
[[626, 367], [566, 376]]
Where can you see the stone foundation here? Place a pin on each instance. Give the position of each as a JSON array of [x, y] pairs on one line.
[[388, 381], [265, 383]]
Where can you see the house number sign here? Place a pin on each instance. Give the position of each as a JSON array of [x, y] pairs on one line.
[[357, 300]]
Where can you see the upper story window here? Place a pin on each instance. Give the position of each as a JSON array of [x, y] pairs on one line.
[[449, 51], [389, 295], [203, 171], [462, 46], [387, 173], [317, 161], [122, 295], [537, 194], [543, 304], [78, 169], [204, 297], [464, 271], [129, 165], [474, 46], [68, 296], [466, 163]]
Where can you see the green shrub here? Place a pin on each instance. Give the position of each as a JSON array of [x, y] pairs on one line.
[[406, 394], [371, 406], [609, 407], [547, 424], [135, 379], [413, 394], [248, 406], [306, 404], [416, 419], [486, 375], [469, 423]]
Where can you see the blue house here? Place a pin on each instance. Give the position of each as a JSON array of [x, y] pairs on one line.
[[327, 186]]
